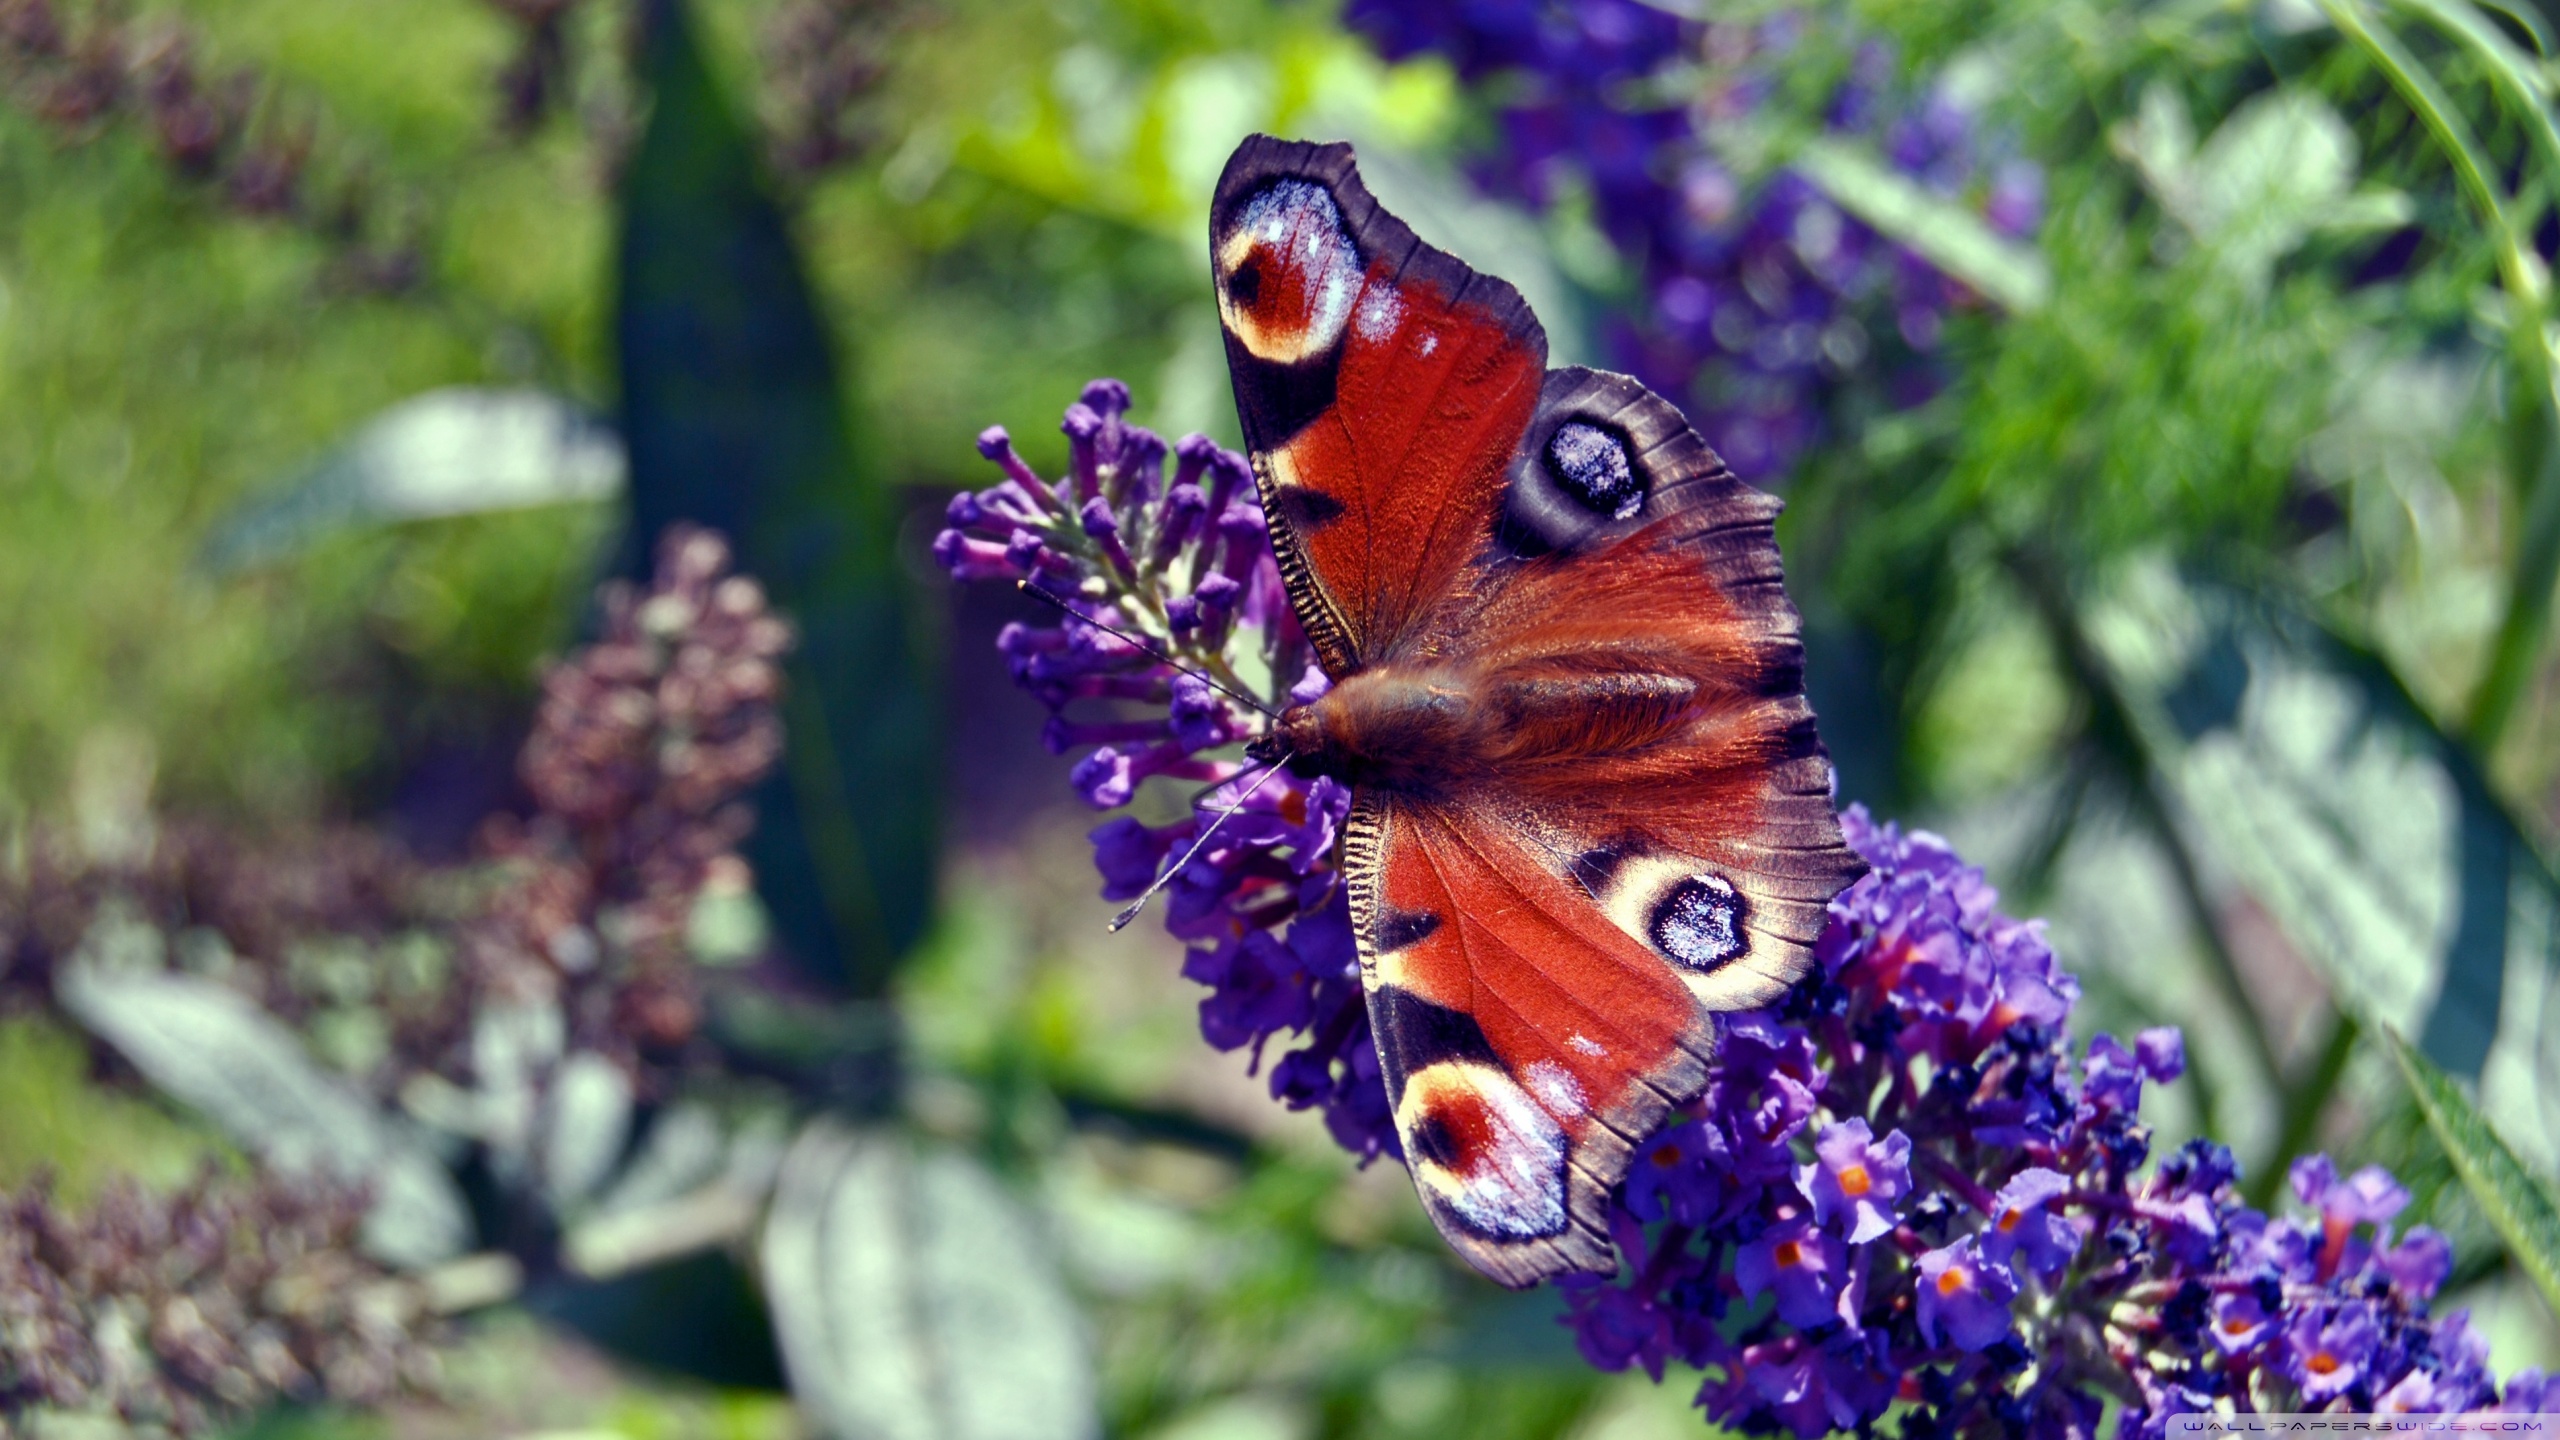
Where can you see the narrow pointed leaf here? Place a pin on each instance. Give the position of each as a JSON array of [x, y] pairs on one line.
[[734, 413], [1951, 237], [2516, 1202]]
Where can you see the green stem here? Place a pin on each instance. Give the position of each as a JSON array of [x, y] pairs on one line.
[[2117, 735], [2304, 1101], [2513, 655], [2527, 283]]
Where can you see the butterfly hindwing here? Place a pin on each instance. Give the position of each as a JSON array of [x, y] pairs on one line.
[[1588, 910], [1382, 384], [1685, 581]]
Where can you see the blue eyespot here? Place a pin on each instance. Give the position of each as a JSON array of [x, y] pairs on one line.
[[1698, 922], [1591, 465]]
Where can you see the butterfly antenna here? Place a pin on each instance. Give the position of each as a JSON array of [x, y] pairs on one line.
[[1121, 921], [1142, 643]]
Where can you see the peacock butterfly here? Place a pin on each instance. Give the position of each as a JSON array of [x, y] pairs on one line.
[[1589, 805]]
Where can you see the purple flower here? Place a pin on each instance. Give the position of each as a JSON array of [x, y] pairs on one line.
[[2416, 1393], [2418, 1264], [2162, 1054], [1807, 1267], [2240, 1321], [2530, 1392], [2022, 1218], [1678, 1175], [1964, 1296], [2370, 1196], [1854, 1179], [2326, 1353], [2115, 1076]]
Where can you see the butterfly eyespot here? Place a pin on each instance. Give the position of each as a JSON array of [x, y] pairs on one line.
[[1292, 272], [1485, 1150], [1698, 922], [1433, 1140], [1591, 465], [1246, 283]]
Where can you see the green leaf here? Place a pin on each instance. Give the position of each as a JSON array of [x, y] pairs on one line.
[[2277, 170], [2517, 1204], [586, 1121], [733, 411], [455, 451], [912, 1300], [1949, 236], [2340, 804], [212, 1050]]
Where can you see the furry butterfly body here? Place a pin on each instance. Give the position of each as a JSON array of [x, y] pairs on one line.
[[1590, 807]]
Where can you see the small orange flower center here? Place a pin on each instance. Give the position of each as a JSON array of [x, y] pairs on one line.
[[2009, 1220], [1666, 1155], [1854, 1181], [1953, 1280], [1789, 1254], [2235, 1326], [2322, 1363]]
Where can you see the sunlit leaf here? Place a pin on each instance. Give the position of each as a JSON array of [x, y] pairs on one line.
[[586, 1120], [2280, 168], [2338, 803], [2517, 1203], [914, 1300], [456, 451], [214, 1051]]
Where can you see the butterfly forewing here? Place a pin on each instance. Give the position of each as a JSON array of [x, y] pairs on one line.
[[1381, 385], [1546, 930]]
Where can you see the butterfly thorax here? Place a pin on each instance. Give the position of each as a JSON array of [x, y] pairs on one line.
[[1419, 729]]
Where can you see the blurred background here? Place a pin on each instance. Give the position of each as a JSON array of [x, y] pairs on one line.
[[2163, 398]]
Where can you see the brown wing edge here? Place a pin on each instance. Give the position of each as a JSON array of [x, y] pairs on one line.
[[1596, 1160], [1375, 234]]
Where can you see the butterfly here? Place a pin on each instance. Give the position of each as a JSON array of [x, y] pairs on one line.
[[1589, 806]]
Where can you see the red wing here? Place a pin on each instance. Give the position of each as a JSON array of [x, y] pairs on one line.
[[1383, 387], [1527, 1044], [1672, 575], [1545, 939]]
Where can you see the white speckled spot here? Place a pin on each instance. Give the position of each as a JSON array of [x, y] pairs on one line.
[[1430, 341], [1379, 313], [1585, 1044], [1555, 1086]]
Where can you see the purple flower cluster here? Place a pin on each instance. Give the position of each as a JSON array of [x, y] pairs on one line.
[[1143, 567], [645, 746], [1755, 303], [1978, 1232], [1902, 1185]]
